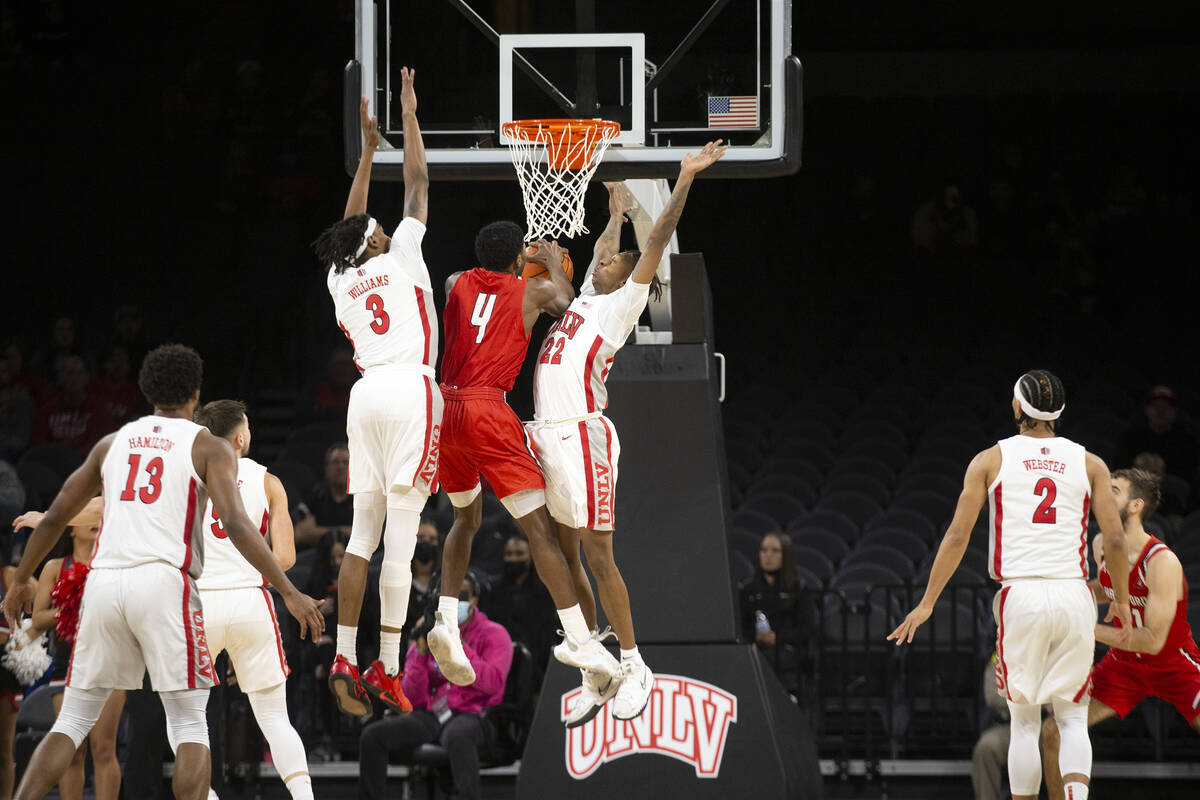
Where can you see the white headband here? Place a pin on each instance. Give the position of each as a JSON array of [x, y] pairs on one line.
[[371, 226], [1030, 411]]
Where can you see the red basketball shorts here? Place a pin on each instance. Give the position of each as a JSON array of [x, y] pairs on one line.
[[481, 435], [1121, 682]]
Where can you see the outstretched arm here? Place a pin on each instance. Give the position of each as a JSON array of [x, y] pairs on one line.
[[620, 203], [665, 225], [550, 296], [356, 203], [283, 535], [416, 171], [954, 543], [90, 516]]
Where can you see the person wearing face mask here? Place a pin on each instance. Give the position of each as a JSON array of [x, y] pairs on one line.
[[425, 563], [520, 602], [442, 711]]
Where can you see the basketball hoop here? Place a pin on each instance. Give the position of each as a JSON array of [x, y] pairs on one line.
[[555, 159]]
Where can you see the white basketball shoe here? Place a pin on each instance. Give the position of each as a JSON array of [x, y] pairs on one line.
[[633, 694], [595, 693], [446, 645], [589, 656]]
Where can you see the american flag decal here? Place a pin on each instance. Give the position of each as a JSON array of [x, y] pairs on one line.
[[158, 428], [1045, 451], [733, 112]]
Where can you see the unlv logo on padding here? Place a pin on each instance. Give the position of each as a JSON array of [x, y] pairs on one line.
[[686, 719]]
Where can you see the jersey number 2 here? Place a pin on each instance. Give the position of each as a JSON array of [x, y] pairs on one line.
[[550, 345], [150, 492], [485, 304], [1046, 513], [382, 322]]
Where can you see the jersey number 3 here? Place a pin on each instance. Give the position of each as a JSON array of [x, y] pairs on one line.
[[153, 488], [382, 322], [1046, 513], [485, 304]]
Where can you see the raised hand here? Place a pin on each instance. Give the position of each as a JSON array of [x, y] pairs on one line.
[[370, 126], [408, 97], [620, 199], [547, 253], [707, 156]]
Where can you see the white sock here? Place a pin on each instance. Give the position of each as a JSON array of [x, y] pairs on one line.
[[300, 787], [448, 608], [629, 655], [574, 625], [389, 651], [347, 642], [1075, 790]]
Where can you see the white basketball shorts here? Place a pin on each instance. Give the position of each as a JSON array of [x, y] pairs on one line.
[[579, 460], [393, 426], [136, 619], [242, 622], [1045, 638]]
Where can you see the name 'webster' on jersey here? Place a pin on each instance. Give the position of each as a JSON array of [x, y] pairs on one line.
[[385, 306], [1039, 510], [153, 499]]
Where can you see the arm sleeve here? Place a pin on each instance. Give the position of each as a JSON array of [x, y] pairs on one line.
[[620, 314], [406, 250]]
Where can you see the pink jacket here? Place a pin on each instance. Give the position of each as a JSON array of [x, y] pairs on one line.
[[489, 649]]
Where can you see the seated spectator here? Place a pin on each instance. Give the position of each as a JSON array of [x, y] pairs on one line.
[[1160, 431], [426, 562], [944, 225], [72, 416], [522, 604], [12, 491], [442, 712], [331, 397], [33, 384], [120, 395], [989, 758], [128, 333], [770, 608], [63, 344], [1152, 463], [16, 415], [327, 509]]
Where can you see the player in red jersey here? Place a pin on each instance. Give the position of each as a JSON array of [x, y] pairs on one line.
[[490, 312], [1160, 659]]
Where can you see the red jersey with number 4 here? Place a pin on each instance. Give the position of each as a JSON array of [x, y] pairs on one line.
[[1179, 637], [385, 306], [486, 338], [1039, 510], [153, 498]]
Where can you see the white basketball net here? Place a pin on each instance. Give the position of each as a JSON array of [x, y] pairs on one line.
[[553, 195]]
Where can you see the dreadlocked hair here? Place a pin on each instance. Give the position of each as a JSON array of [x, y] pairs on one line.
[[656, 286], [1044, 391], [337, 244], [170, 375]]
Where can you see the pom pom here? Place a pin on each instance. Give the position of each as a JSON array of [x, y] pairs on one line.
[[66, 596], [26, 660]]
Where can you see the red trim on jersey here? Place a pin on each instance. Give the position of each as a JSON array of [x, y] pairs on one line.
[[278, 641], [1000, 641], [1083, 689], [350, 339], [424, 322], [1083, 565], [428, 417], [588, 367], [999, 524], [187, 631], [587, 471], [188, 526]]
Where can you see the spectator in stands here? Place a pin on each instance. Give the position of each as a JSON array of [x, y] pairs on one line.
[[16, 415], [12, 493], [425, 564], [328, 509], [72, 416], [331, 397], [522, 604], [1162, 433], [1152, 463], [128, 333], [944, 225], [771, 609], [62, 345], [990, 756], [121, 396], [442, 712], [33, 384]]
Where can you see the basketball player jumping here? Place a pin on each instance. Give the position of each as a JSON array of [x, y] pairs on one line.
[[1160, 658], [1040, 486], [490, 311], [383, 299], [140, 608], [577, 446], [239, 614]]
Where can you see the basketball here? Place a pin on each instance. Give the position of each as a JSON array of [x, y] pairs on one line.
[[536, 270]]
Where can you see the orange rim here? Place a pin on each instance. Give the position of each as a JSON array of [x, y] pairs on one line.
[[563, 133]]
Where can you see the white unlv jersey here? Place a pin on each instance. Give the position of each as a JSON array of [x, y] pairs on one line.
[[579, 350], [1039, 510], [224, 566], [385, 307], [153, 498]]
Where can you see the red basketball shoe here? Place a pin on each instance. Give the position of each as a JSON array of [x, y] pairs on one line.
[[385, 688], [347, 690]]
